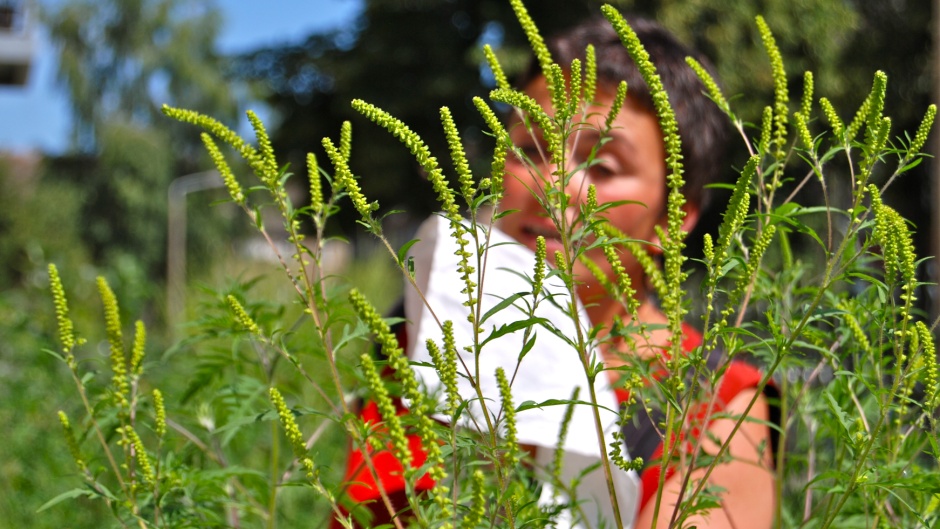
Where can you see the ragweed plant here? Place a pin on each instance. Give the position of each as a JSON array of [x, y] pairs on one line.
[[838, 341]]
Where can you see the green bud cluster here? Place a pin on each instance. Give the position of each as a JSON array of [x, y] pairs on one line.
[[461, 166], [72, 442], [242, 316], [344, 177], [590, 73], [67, 336], [316, 187], [929, 354], [231, 184], [139, 348], [838, 128], [269, 173], [477, 502], [112, 320], [861, 339], [159, 411], [616, 105], [220, 131], [416, 145], [130, 438], [387, 409], [734, 217], [444, 372], [345, 140], [292, 431], [920, 138], [894, 237], [538, 276], [503, 144], [803, 130], [556, 86], [498, 74], [806, 103], [535, 112], [559, 455], [509, 418], [410, 387], [781, 96], [532, 33], [766, 129], [710, 85], [624, 285]]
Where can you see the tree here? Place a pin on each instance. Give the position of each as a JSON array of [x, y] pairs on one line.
[[120, 60]]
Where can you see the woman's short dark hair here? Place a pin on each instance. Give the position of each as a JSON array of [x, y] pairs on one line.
[[702, 126]]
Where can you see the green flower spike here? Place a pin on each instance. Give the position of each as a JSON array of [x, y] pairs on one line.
[[803, 130], [72, 442], [509, 418], [347, 181], [447, 378], [894, 237], [292, 431], [231, 184], [66, 328], [624, 286], [159, 413], [140, 343], [710, 85], [617, 104], [735, 214], [590, 74], [241, 315], [532, 33], [838, 128], [535, 112], [477, 504], [112, 320], [781, 96], [806, 103], [503, 144], [931, 378], [316, 188], [143, 460], [538, 275], [577, 88], [559, 455], [556, 85], [387, 409], [498, 74], [406, 376], [220, 131], [858, 334], [269, 171], [461, 166], [766, 129], [416, 145], [920, 138], [861, 116], [345, 140], [877, 102]]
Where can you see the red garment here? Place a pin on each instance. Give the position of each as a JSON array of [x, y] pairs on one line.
[[362, 487]]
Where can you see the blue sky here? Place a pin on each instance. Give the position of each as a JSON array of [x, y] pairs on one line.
[[36, 117]]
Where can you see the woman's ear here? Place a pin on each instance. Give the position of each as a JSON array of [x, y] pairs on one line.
[[692, 213]]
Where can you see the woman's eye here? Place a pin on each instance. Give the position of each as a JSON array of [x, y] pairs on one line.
[[604, 167]]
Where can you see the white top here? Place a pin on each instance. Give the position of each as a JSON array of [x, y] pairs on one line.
[[550, 370]]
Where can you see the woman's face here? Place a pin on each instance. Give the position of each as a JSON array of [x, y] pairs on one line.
[[628, 167]]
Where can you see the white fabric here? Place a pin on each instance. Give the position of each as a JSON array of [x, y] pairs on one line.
[[551, 370]]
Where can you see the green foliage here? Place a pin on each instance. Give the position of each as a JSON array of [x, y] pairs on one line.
[[850, 316]]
